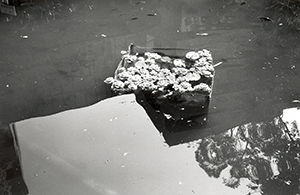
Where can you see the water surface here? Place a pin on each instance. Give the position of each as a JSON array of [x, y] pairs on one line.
[[57, 54]]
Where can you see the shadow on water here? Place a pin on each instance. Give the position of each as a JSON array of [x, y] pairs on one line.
[[174, 131], [265, 153]]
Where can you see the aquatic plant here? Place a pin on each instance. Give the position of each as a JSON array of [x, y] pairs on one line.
[[152, 71]]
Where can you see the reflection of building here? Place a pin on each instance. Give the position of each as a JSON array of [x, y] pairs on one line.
[[260, 152]]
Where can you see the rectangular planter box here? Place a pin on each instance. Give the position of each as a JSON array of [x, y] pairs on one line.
[[179, 87]]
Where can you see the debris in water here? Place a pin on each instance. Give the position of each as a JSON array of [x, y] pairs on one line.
[[152, 14], [123, 52], [266, 18], [202, 34], [140, 2], [168, 116], [218, 64], [24, 36], [103, 35], [296, 101]]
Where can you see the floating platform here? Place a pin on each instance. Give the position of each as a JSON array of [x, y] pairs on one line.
[[180, 87]]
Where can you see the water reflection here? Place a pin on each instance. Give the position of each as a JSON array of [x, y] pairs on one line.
[[266, 153]]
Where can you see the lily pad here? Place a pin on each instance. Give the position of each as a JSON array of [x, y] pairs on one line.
[[166, 59], [140, 64], [179, 63], [192, 76], [192, 55]]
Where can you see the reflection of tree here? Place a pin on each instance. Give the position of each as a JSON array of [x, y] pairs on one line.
[[5, 187], [265, 153]]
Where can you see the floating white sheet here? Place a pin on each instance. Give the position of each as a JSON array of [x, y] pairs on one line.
[[111, 147]]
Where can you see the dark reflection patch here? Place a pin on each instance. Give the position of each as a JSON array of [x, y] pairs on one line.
[[266, 153]]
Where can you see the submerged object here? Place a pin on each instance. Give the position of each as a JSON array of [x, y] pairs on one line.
[[177, 86]]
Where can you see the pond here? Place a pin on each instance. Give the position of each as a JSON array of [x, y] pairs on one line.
[[56, 55]]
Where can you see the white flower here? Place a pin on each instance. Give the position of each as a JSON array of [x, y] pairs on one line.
[[192, 55], [209, 59], [160, 74], [180, 79], [153, 73], [109, 80], [171, 78], [132, 70], [131, 58], [152, 55], [201, 62], [147, 54], [149, 78], [124, 75], [163, 83], [180, 71], [135, 79], [147, 86], [179, 63], [206, 73], [140, 64], [123, 52], [132, 87], [160, 88], [166, 59], [179, 88], [117, 85], [121, 69], [144, 71], [202, 87], [154, 67], [150, 61], [192, 76], [140, 58], [210, 68], [204, 53], [126, 83], [186, 85], [165, 71]]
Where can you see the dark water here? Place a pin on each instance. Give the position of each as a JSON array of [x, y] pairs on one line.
[[56, 54]]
